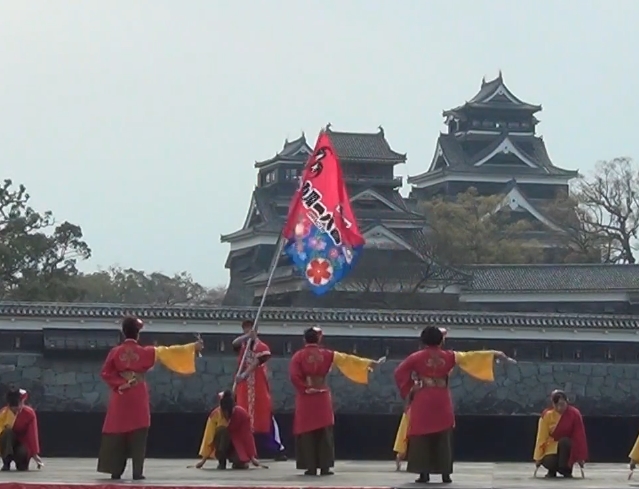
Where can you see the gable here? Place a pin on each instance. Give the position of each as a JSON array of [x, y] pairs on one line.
[[517, 202], [303, 151], [439, 159], [501, 94], [380, 237], [370, 199], [254, 216], [506, 152]]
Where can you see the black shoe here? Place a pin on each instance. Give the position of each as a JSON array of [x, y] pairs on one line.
[[552, 474], [116, 477], [326, 472], [221, 464], [423, 478], [446, 479], [280, 457], [139, 477], [311, 472], [566, 474]]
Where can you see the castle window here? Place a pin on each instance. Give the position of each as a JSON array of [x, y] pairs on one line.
[[514, 353], [288, 347], [476, 124], [546, 352], [291, 174], [577, 354], [269, 177], [221, 346], [609, 355]]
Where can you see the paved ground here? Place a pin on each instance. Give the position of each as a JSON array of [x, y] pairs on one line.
[[347, 474]]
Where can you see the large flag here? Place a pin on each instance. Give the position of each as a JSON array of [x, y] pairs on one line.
[[323, 239]]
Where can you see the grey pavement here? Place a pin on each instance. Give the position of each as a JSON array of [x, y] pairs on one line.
[[348, 474]]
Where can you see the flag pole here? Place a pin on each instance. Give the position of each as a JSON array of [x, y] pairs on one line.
[[276, 257]]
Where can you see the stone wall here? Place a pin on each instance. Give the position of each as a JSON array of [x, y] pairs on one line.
[[67, 385]]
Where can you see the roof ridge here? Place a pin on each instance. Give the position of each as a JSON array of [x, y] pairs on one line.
[[553, 265]]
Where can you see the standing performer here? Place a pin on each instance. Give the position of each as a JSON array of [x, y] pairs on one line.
[[314, 419], [431, 417], [253, 392], [128, 415], [19, 440], [227, 436], [561, 438]]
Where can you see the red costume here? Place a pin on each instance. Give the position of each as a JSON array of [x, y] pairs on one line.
[[431, 416], [253, 393], [128, 415], [554, 426], [434, 364], [309, 368], [19, 441], [239, 428], [571, 425], [128, 410], [25, 429]]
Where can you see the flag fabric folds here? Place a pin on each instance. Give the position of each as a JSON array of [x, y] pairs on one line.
[[322, 236]]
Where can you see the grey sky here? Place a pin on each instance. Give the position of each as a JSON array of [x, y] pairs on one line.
[[141, 120]]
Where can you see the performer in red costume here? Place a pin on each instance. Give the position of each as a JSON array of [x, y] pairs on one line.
[[314, 419], [128, 414], [561, 438], [253, 392], [431, 415], [227, 436], [19, 441]]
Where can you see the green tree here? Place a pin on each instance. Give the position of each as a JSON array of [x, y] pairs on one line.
[[38, 258], [130, 286], [474, 229]]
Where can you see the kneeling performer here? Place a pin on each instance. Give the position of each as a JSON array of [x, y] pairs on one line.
[[19, 441], [228, 436], [561, 438]]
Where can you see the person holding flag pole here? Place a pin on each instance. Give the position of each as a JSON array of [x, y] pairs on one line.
[[250, 333], [253, 391]]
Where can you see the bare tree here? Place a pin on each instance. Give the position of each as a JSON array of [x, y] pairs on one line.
[[609, 208]]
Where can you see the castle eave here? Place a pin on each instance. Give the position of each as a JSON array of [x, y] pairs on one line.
[[18, 315]]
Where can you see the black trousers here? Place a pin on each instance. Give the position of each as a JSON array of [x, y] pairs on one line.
[[117, 448], [224, 449], [431, 454], [559, 462], [315, 450], [13, 451]]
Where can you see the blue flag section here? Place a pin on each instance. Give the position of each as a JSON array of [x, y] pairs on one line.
[[321, 232]]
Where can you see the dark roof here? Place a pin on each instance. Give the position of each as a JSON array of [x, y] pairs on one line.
[[532, 147], [494, 94], [504, 279], [273, 206], [293, 151], [358, 146], [314, 316]]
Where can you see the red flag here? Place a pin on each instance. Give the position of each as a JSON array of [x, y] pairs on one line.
[[324, 241]]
